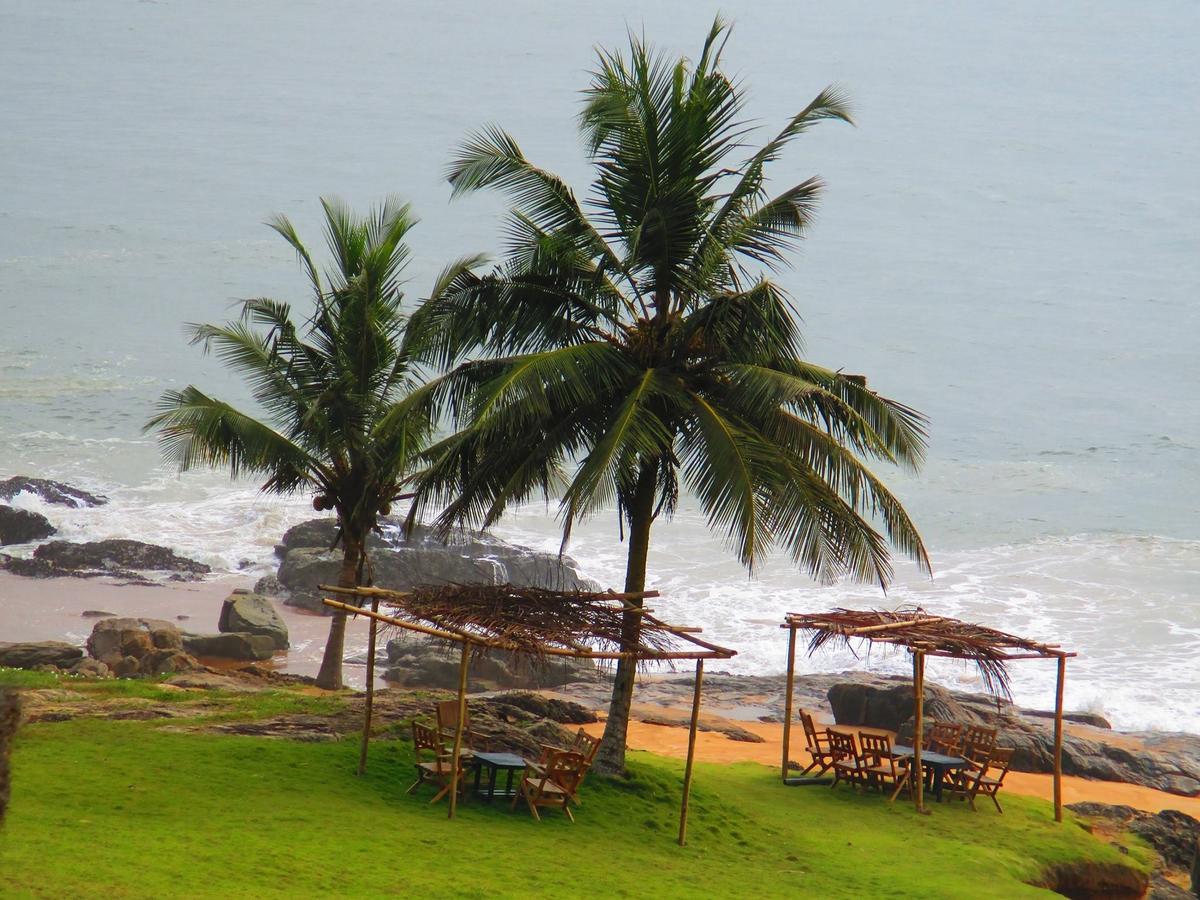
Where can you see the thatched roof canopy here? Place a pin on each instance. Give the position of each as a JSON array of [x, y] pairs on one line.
[[534, 621], [916, 629]]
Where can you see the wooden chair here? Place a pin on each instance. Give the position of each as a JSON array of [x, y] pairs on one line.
[[583, 744], [977, 746], [818, 746], [990, 778], [447, 724], [847, 765], [439, 770], [944, 737], [880, 768], [555, 785]]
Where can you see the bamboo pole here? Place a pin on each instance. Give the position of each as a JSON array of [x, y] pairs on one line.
[[687, 771], [918, 725], [386, 592], [889, 626], [1058, 738], [787, 703], [370, 703], [458, 734]]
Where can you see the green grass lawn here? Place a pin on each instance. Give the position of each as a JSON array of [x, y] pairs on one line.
[[134, 809]]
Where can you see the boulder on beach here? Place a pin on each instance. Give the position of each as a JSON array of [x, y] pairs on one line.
[[130, 647], [50, 491], [117, 557], [32, 654], [419, 661], [20, 526], [230, 645], [401, 562], [251, 613]]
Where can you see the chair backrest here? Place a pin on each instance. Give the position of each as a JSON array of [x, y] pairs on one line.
[[447, 717], [425, 738], [876, 746], [978, 742], [566, 769], [585, 744], [997, 765], [810, 731], [944, 737], [842, 746]]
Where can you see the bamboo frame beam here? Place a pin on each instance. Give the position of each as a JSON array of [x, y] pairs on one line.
[[465, 638], [918, 727], [384, 593], [691, 753]]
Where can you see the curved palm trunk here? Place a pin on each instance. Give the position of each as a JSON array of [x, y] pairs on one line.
[[330, 675], [610, 759]]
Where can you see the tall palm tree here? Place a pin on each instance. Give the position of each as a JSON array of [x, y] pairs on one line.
[[332, 390], [628, 352]]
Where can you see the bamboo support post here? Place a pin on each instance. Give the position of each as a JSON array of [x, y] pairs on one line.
[[462, 719], [691, 753], [370, 701], [1058, 738], [918, 726], [787, 703]]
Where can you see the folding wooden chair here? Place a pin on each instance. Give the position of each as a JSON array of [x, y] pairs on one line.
[[847, 765], [977, 746], [991, 778], [818, 746], [447, 724], [944, 737], [880, 768], [555, 785], [439, 770]]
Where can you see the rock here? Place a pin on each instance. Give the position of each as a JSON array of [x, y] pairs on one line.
[[90, 668], [402, 562], [891, 707], [230, 645], [1174, 835], [51, 491], [1084, 718], [270, 586], [415, 660], [34, 654], [20, 526], [255, 614], [139, 647], [116, 555], [567, 712], [96, 614], [10, 718]]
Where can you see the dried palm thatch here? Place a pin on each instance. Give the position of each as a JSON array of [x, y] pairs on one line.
[[539, 622], [990, 650]]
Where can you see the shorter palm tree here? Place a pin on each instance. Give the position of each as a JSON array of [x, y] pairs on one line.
[[333, 391]]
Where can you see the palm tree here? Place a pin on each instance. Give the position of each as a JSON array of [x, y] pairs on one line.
[[627, 353], [332, 389]]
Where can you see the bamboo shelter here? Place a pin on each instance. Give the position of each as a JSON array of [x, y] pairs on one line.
[[925, 635], [537, 623]]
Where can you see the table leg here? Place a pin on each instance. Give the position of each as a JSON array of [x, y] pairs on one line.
[[478, 776], [493, 772], [508, 789]]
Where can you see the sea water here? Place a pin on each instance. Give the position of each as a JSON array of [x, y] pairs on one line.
[[1009, 242]]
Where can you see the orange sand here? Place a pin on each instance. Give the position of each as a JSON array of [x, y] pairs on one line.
[[715, 747]]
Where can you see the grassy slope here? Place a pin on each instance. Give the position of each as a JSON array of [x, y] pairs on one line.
[[128, 809]]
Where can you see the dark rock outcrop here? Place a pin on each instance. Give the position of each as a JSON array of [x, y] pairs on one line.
[[415, 660], [51, 491], [115, 557], [10, 718], [230, 645], [1174, 835], [402, 562], [32, 654], [250, 613], [130, 647], [20, 526]]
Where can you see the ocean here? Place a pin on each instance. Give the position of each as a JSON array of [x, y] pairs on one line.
[[1009, 242]]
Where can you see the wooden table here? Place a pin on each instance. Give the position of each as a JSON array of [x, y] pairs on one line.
[[496, 763], [938, 762]]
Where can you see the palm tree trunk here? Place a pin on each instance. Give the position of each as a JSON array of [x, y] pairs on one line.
[[330, 675], [610, 759]]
